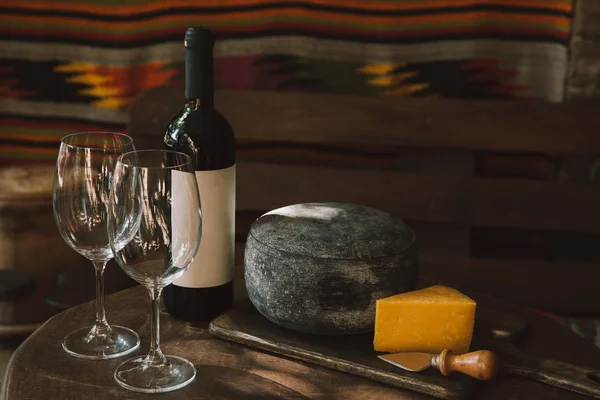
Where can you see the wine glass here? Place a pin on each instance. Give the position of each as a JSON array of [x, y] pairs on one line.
[[82, 180], [154, 226]]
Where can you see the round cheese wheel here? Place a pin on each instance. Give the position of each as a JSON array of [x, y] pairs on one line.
[[320, 267]]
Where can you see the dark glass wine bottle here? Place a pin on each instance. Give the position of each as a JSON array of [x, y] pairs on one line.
[[206, 288]]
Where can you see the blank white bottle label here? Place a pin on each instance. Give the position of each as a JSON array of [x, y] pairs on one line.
[[185, 218], [213, 264]]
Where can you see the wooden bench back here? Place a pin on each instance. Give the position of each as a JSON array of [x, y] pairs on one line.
[[461, 173]]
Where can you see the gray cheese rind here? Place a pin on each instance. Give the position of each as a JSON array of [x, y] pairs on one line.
[[320, 267]]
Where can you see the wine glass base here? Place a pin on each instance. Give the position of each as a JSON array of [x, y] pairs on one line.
[[83, 343], [137, 375]]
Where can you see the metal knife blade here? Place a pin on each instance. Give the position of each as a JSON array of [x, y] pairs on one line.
[[413, 362]]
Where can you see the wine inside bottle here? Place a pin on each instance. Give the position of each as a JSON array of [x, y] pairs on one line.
[[206, 289]]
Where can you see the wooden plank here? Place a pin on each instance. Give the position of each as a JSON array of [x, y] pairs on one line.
[[514, 243], [424, 196], [442, 239], [385, 120], [520, 165], [438, 238], [553, 205], [562, 287], [383, 157], [435, 197]]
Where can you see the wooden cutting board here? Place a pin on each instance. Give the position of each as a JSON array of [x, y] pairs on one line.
[[354, 353], [498, 327]]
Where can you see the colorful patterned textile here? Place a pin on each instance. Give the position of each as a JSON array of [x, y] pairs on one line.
[[72, 65]]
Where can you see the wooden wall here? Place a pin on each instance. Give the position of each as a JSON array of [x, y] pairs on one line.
[[502, 195]]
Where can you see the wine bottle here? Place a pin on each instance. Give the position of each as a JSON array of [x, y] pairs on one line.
[[206, 289]]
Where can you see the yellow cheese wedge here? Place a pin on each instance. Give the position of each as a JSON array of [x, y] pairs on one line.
[[426, 320]]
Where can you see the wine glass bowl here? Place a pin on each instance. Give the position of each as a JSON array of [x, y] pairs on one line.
[[82, 180], [154, 226], [82, 184]]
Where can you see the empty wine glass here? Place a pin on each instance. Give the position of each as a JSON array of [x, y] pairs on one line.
[[82, 180], [154, 226]]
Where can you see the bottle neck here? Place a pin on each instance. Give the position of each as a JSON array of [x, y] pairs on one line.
[[199, 85], [196, 104]]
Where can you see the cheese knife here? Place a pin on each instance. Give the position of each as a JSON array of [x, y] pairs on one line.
[[480, 364]]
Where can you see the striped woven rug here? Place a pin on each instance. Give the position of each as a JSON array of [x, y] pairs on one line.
[[73, 65]]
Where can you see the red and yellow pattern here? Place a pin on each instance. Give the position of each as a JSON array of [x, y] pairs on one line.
[[374, 19], [116, 86], [70, 65]]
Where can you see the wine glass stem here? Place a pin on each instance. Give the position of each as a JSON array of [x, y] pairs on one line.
[[101, 327], [155, 355]]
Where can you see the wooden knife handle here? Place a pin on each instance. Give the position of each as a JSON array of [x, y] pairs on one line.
[[479, 364]]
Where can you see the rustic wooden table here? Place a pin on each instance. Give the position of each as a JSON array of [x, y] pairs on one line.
[[40, 369]]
